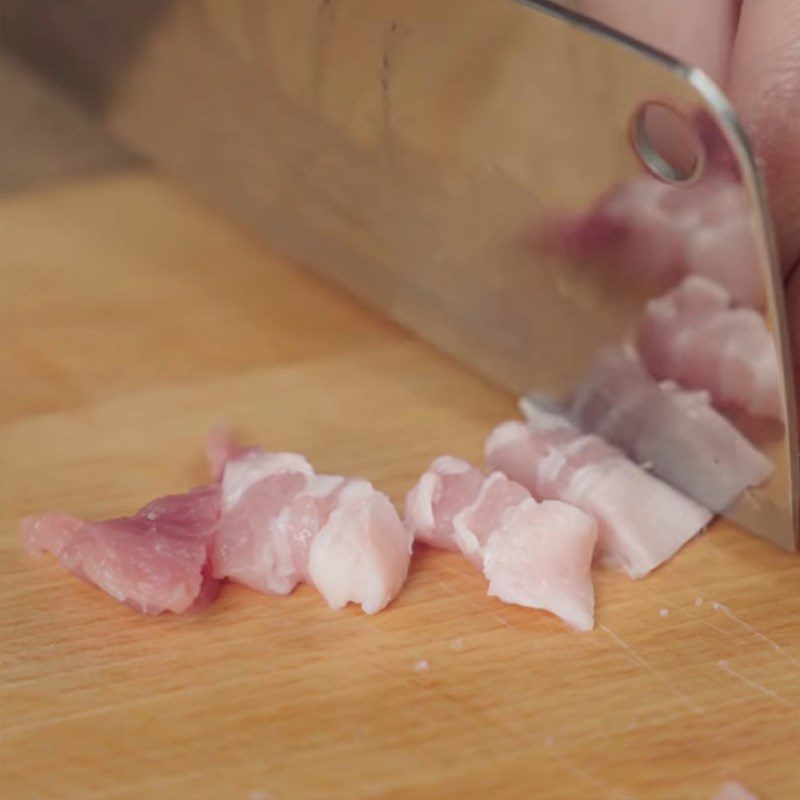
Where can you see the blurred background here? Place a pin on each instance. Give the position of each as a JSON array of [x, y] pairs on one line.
[[49, 94]]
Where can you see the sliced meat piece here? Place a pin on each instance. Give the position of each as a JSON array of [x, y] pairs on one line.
[[541, 557], [682, 438], [252, 466], [283, 524], [250, 547], [443, 490], [237, 467], [642, 521], [362, 553], [694, 336], [534, 555], [154, 561], [474, 525], [196, 511], [306, 514]]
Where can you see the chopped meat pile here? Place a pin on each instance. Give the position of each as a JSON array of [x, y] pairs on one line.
[[684, 439], [269, 522], [282, 524], [642, 521], [694, 336], [157, 560], [533, 554], [559, 500]]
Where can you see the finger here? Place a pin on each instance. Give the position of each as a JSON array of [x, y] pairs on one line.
[[698, 33], [765, 89]]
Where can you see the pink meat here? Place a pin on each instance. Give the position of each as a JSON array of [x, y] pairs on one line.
[[250, 547], [252, 466], [361, 554], [542, 557], [535, 555], [448, 486], [154, 561], [692, 335], [283, 524], [268, 522], [678, 433], [474, 524], [306, 514], [196, 511], [642, 521]]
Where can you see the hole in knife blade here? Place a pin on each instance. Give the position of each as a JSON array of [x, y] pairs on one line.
[[666, 143]]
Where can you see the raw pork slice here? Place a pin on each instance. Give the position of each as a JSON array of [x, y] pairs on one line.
[[250, 547], [448, 486], [681, 437], [283, 524], [642, 522], [156, 560], [692, 335], [542, 557], [533, 554], [361, 554]]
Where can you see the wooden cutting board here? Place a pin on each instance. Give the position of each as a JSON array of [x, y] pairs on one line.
[[133, 318]]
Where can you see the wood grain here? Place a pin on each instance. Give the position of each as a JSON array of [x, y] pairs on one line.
[[133, 318]]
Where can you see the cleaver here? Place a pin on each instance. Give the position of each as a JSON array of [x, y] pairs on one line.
[[575, 215]]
